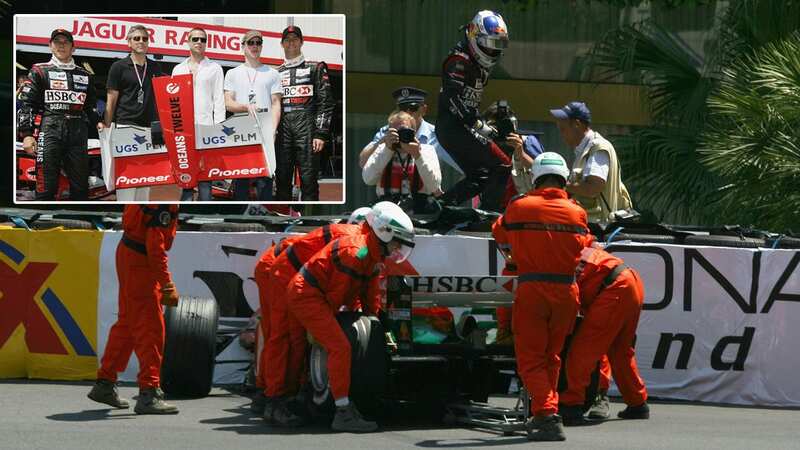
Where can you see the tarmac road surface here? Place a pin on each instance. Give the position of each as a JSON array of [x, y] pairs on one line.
[[55, 415]]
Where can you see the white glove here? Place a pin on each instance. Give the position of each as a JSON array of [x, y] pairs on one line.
[[484, 130]]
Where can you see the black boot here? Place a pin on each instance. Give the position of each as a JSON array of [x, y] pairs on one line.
[[269, 408], [548, 428], [282, 416], [347, 418], [641, 412], [571, 414], [259, 401]]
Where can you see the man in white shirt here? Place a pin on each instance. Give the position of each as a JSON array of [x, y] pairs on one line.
[[406, 171], [412, 101], [595, 180], [254, 87], [209, 101]]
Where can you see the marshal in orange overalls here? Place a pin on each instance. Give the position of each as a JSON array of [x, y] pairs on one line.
[[345, 269], [261, 273], [286, 348], [142, 272], [545, 233], [611, 296]]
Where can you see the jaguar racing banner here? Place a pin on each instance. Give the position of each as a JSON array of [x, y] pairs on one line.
[[175, 105]]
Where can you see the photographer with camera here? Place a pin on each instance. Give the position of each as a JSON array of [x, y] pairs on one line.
[[500, 116], [412, 101], [403, 170]]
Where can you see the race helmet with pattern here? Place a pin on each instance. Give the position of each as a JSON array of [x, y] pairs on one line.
[[359, 216], [487, 37], [391, 224], [550, 163]]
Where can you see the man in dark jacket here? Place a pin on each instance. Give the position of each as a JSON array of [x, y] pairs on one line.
[[461, 131], [62, 96], [306, 111]]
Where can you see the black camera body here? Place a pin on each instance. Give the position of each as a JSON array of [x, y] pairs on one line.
[[406, 135], [506, 121]]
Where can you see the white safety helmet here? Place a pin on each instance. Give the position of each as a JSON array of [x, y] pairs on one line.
[[391, 223], [550, 163], [487, 37], [359, 216]]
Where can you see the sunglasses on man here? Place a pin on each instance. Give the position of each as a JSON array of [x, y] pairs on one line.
[[410, 108], [255, 42], [199, 39], [139, 38]]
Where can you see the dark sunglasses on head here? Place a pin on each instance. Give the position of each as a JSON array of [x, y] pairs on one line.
[[413, 107], [199, 39], [139, 38], [255, 42]]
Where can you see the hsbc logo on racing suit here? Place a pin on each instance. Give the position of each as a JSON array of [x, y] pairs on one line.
[[302, 90], [71, 97], [132, 181]]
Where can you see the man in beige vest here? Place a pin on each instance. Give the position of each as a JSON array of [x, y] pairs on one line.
[[595, 180]]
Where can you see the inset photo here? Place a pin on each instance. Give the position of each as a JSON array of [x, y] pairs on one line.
[[182, 108]]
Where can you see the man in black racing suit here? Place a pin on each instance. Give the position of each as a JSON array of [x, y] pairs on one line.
[[63, 94], [465, 73], [306, 111]]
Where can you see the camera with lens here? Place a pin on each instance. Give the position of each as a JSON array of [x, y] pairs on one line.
[[505, 121], [406, 135]]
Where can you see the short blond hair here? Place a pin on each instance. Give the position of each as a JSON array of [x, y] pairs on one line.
[[401, 115]]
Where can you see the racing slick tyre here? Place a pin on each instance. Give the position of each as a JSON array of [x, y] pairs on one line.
[[68, 224], [233, 226], [369, 368], [190, 347]]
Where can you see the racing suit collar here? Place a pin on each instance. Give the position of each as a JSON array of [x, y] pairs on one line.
[[294, 61], [64, 66]]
